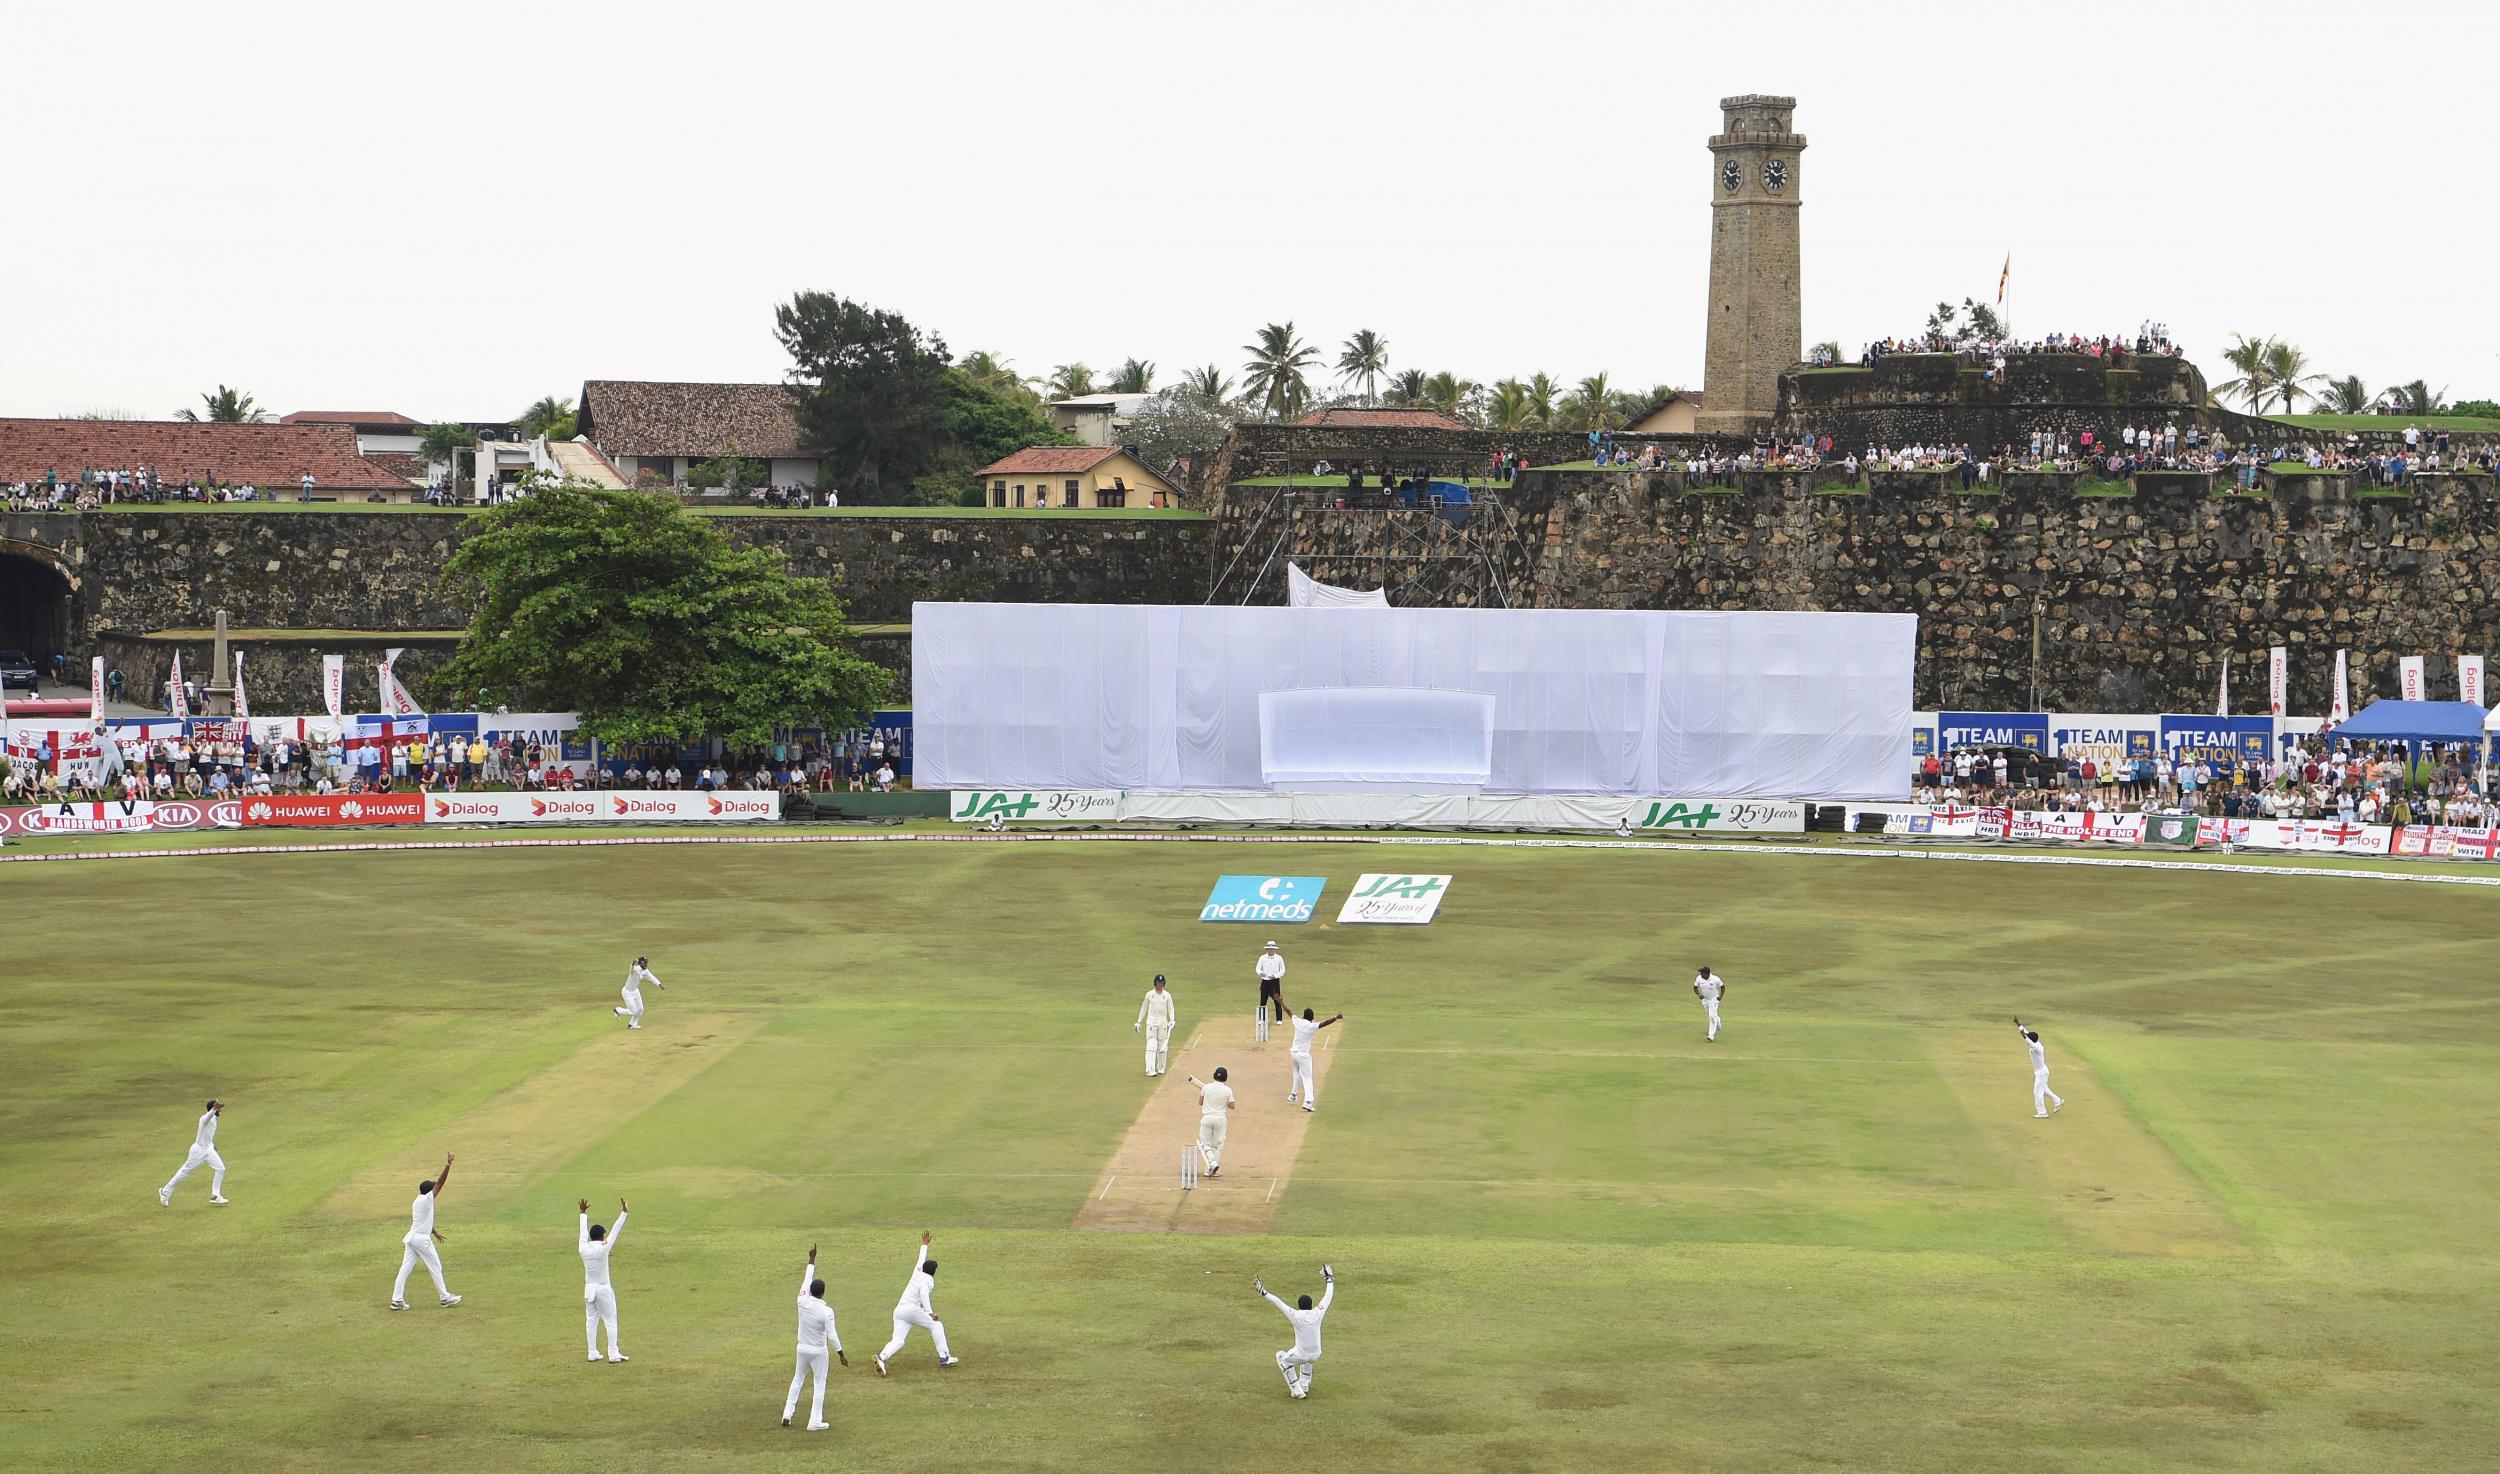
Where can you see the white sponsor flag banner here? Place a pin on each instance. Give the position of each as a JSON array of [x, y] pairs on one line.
[[180, 704], [1393, 900], [2410, 683], [2341, 711], [242, 703], [2222, 699], [2470, 679], [2278, 679], [95, 688], [622, 806], [2332, 836], [1034, 805], [396, 702], [334, 684]]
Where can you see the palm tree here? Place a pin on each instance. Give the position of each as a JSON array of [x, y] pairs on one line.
[[1137, 376], [1542, 393], [997, 374], [1274, 379], [1208, 381], [2247, 356], [1070, 381], [1447, 392], [1365, 359], [2421, 399], [1409, 387], [1828, 350], [2347, 396], [1591, 406], [2287, 373], [544, 416], [1508, 408], [225, 407]]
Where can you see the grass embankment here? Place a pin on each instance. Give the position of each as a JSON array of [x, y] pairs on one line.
[[1569, 1235]]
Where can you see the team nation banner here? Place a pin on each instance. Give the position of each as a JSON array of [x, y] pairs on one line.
[[2278, 679], [2470, 679], [334, 684], [2409, 678]]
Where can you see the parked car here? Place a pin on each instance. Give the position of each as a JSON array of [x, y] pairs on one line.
[[16, 669]]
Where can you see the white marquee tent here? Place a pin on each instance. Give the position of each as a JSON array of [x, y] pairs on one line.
[[1543, 701]]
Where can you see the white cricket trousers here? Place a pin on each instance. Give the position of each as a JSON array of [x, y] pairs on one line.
[[811, 1359], [907, 1316], [2042, 1097], [633, 1007], [416, 1250], [1158, 1049], [598, 1309], [1211, 1142], [1303, 1085], [191, 1164], [1297, 1366], [1710, 1006]]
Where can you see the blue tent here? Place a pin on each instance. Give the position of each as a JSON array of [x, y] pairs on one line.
[[2416, 721]]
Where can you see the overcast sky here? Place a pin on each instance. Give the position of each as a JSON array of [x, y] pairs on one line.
[[449, 210]]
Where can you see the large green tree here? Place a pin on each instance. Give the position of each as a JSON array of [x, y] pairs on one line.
[[225, 407], [1071, 381], [873, 392], [1137, 376], [1178, 422], [1363, 360], [642, 617]]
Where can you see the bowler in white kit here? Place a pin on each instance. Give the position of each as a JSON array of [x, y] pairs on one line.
[[1215, 1098], [1710, 988], [203, 1149], [635, 976], [816, 1332], [598, 1296], [916, 1309], [1296, 1363], [1305, 1084], [417, 1246], [1156, 1017], [2043, 1099]]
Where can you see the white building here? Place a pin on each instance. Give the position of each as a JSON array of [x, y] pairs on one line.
[[1099, 420]]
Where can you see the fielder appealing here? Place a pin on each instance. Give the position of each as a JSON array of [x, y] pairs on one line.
[[2043, 1099], [635, 976], [1271, 991], [914, 1309], [1296, 1364], [1155, 1018], [598, 1296], [1214, 1099], [1709, 990], [203, 1149], [816, 1330], [417, 1247], [1305, 1084]]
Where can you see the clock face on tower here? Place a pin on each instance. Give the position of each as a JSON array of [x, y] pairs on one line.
[[1732, 176], [1775, 175]]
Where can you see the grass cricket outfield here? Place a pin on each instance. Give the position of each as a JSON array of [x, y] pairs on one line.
[[1569, 1235]]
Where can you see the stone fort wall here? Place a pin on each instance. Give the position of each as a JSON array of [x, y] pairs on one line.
[[139, 572]]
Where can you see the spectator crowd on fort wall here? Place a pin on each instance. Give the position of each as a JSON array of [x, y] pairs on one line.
[[2320, 777], [860, 760]]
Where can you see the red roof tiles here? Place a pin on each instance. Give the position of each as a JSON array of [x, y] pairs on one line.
[[180, 452], [1050, 460]]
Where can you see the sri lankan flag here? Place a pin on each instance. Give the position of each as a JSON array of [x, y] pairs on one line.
[[2005, 276]]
